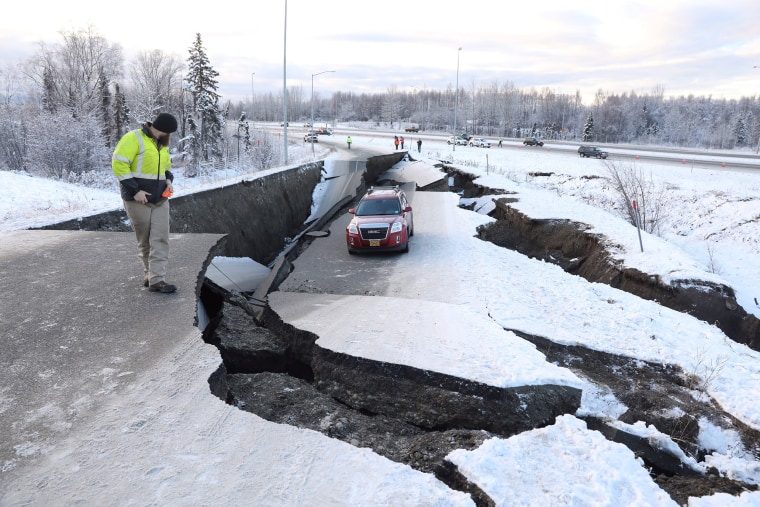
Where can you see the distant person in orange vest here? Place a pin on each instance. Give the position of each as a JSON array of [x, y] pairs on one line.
[[395, 141], [419, 145], [401, 140], [348, 142]]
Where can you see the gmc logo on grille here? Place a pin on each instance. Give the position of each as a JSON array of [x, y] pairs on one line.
[[375, 231]]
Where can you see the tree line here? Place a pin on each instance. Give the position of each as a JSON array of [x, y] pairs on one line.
[[64, 109]]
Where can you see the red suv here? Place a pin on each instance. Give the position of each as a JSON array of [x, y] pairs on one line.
[[382, 221]]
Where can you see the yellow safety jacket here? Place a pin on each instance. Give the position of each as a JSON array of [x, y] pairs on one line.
[[139, 165]]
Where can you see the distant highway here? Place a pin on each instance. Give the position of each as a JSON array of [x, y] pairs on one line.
[[703, 159], [741, 161]]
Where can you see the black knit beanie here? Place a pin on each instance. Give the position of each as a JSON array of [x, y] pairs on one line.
[[165, 123]]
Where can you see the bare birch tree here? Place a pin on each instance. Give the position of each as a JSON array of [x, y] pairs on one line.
[[156, 82], [73, 72], [631, 186]]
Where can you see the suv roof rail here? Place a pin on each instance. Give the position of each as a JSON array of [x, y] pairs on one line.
[[395, 188]]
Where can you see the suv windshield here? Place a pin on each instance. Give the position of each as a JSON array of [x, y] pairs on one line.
[[378, 207]]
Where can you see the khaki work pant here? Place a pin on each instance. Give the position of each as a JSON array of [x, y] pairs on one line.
[[151, 225]]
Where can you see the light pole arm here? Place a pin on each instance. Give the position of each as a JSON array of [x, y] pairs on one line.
[[311, 127], [312, 94]]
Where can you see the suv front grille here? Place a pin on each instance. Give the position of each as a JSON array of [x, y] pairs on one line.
[[374, 231]]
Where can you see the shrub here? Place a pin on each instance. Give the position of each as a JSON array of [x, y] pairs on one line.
[[630, 185]]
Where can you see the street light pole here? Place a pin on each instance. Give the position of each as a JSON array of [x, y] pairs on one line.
[[456, 105], [285, 84], [253, 100], [312, 104]]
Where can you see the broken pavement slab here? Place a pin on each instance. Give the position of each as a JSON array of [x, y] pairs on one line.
[[424, 174], [432, 364], [237, 274]]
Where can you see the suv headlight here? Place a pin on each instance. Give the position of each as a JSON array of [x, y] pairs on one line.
[[396, 227], [352, 228]]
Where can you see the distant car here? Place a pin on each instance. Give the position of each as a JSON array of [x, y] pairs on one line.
[[382, 221], [412, 129], [324, 131], [480, 142], [532, 141], [282, 124], [592, 151], [456, 139], [311, 137]]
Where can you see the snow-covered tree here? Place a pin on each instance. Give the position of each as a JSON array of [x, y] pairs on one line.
[[267, 151], [120, 115], [106, 110], [588, 128], [193, 148], [12, 129], [69, 132], [63, 147], [391, 106], [156, 84], [741, 131], [49, 103], [244, 132], [209, 120], [72, 75], [13, 134]]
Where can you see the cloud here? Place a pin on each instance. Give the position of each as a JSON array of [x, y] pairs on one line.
[[689, 46]]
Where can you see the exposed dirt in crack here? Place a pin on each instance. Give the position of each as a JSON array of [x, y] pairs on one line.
[[266, 372], [281, 391], [663, 396], [564, 243], [284, 399]]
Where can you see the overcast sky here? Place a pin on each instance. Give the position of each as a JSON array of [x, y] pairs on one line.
[[700, 47]]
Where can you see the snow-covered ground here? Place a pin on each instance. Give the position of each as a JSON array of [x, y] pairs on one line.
[[712, 230]]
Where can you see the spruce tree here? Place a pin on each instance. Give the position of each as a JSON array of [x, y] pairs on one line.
[[740, 131], [588, 129], [193, 148], [105, 108], [208, 118], [246, 133], [49, 104], [120, 117]]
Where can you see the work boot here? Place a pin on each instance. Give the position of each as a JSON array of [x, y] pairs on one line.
[[162, 287]]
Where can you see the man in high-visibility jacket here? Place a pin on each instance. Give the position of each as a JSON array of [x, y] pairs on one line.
[[141, 163]]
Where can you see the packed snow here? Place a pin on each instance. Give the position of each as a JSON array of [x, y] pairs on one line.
[[712, 232]]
